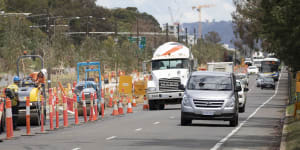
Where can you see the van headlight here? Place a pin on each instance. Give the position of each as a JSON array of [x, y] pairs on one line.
[[151, 89], [230, 102], [186, 100]]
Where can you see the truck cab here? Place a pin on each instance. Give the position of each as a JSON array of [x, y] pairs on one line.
[[171, 66]]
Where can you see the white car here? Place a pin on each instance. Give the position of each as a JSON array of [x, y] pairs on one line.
[[252, 70], [244, 77], [242, 95]]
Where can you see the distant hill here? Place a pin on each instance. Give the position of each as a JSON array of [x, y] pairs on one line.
[[224, 28]]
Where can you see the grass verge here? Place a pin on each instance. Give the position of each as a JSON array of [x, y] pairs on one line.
[[293, 130]]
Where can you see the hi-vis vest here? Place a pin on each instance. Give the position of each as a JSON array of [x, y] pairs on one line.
[[14, 88]]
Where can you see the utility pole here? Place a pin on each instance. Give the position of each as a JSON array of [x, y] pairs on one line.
[[49, 45], [178, 34], [195, 38], [137, 40], [186, 37], [167, 32]]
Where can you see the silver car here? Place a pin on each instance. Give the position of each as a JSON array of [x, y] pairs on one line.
[[210, 96]]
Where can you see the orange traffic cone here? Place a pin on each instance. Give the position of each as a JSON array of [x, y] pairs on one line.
[[146, 105], [111, 98], [115, 111], [133, 102], [129, 107], [120, 108]]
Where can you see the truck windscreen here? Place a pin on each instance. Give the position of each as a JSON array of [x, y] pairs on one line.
[[170, 64]]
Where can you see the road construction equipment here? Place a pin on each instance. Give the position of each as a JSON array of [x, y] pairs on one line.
[[34, 89], [88, 86]]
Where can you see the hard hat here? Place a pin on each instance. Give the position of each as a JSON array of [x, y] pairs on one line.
[[16, 79], [44, 71]]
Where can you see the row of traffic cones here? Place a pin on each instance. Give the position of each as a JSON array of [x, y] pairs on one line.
[[118, 109]]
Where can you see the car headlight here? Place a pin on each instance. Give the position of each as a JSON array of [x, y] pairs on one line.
[[151, 89], [230, 102], [186, 100]]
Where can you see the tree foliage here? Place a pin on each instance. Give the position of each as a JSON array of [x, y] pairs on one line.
[[273, 25]]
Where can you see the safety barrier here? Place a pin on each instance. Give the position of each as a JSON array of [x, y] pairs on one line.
[[9, 121]]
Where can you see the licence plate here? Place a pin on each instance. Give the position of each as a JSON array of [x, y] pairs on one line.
[[208, 113]]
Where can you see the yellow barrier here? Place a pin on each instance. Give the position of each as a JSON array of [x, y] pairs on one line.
[[125, 84], [140, 88]]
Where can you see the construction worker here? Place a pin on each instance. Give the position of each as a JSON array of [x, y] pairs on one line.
[[12, 92], [39, 78]]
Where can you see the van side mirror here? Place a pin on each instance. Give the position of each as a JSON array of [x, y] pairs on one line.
[[238, 88], [181, 87]]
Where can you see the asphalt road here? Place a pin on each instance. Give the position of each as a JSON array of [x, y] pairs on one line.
[[259, 128]]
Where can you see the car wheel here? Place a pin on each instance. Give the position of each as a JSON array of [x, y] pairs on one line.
[[235, 121], [184, 121], [242, 109], [161, 106], [152, 105]]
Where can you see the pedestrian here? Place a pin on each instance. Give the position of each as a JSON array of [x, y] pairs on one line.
[[12, 92]]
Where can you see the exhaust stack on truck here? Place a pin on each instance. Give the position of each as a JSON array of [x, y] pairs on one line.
[[172, 63]]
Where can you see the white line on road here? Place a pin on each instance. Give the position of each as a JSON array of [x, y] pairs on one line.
[[234, 131], [110, 138], [172, 117], [139, 129], [76, 148], [155, 123]]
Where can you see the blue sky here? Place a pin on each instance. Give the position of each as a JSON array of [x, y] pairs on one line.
[[181, 9]]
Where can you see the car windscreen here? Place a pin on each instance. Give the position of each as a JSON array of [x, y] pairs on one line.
[[203, 82], [252, 67], [170, 64]]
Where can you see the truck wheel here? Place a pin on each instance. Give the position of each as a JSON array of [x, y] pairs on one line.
[[235, 121], [184, 121], [161, 106], [152, 105]]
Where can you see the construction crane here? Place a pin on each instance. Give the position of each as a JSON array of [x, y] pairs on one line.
[[199, 8]]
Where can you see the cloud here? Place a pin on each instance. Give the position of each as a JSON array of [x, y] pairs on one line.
[[181, 9]]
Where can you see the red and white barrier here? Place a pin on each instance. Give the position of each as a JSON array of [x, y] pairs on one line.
[[102, 103], [84, 107], [75, 108], [9, 121], [96, 106], [57, 111], [28, 116], [65, 111], [51, 109], [91, 107]]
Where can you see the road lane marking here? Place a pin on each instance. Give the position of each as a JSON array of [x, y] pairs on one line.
[[76, 148], [155, 123], [234, 131], [172, 117], [110, 138], [139, 129]]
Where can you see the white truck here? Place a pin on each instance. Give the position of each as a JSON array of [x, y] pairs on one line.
[[220, 66], [172, 63]]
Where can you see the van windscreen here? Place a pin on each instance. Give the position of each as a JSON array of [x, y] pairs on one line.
[[202, 82]]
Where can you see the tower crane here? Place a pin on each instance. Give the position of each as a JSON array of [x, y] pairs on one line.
[[199, 8]]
